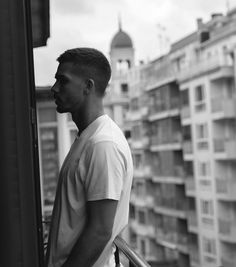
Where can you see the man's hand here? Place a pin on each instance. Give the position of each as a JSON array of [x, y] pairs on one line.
[[95, 236]]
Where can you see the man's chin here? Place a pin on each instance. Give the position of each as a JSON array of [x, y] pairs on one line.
[[61, 110]]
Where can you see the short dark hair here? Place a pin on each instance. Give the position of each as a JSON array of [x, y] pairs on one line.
[[91, 62]]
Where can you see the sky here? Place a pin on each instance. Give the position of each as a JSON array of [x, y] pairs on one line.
[[152, 25]]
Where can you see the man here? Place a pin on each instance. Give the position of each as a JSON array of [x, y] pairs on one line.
[[92, 199]]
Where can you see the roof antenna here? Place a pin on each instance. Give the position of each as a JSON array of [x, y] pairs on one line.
[[119, 22]]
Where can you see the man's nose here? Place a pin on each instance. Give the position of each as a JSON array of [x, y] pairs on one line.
[[55, 88]]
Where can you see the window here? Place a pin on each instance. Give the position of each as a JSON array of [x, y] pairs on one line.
[[199, 93], [184, 96], [207, 207], [141, 217], [140, 189], [204, 168], [186, 132], [202, 135], [132, 211], [49, 161], [124, 88], [127, 134], [143, 247], [133, 240], [209, 245], [202, 131], [200, 101], [137, 161]]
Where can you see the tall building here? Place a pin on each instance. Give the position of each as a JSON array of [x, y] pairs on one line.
[[186, 185], [116, 101], [204, 63]]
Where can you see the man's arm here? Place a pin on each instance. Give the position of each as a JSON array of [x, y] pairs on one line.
[[97, 233]]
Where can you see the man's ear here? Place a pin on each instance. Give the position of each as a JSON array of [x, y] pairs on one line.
[[89, 86]]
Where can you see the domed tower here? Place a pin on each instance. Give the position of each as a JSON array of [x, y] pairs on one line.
[[121, 52], [122, 59]]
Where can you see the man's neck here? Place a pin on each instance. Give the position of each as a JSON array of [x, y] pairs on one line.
[[83, 119]]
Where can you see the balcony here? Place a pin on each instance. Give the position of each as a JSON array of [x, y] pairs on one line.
[[188, 147], [158, 144], [146, 201], [194, 256], [167, 239], [171, 207], [228, 261], [114, 98], [137, 115], [182, 242], [190, 187], [192, 221], [140, 143], [227, 230], [156, 113], [185, 112], [175, 175], [225, 149], [226, 189], [164, 75], [172, 240], [142, 172], [142, 229], [223, 108], [217, 65]]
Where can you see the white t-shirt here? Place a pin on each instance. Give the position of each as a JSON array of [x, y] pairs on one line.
[[98, 166]]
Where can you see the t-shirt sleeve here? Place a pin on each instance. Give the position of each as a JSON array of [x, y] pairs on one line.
[[104, 171]]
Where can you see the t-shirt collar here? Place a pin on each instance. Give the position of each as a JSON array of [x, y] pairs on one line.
[[91, 126]]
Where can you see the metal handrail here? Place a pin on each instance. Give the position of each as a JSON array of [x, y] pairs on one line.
[[131, 255], [134, 259]]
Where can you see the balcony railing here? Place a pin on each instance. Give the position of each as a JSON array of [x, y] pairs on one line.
[[226, 188], [111, 98], [188, 147], [172, 207], [185, 112], [227, 230], [140, 143], [123, 251], [142, 201], [142, 172], [192, 218], [228, 261], [135, 115], [134, 260], [225, 106], [169, 143], [194, 254], [165, 74], [190, 186], [226, 147], [173, 171], [197, 68], [142, 229]]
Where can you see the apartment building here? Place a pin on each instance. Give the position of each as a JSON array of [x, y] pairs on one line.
[[204, 64], [158, 225], [186, 187]]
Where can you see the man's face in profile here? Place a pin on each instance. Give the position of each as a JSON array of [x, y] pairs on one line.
[[68, 89]]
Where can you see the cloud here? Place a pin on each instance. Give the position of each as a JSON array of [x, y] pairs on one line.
[[73, 7]]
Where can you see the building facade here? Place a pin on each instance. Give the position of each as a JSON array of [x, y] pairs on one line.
[[187, 195]]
